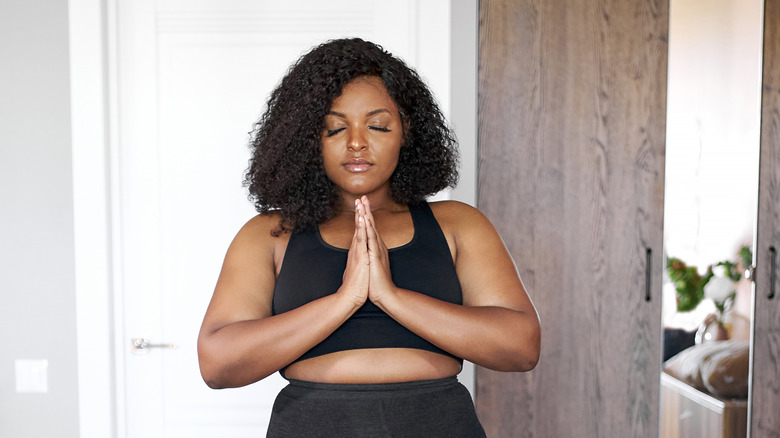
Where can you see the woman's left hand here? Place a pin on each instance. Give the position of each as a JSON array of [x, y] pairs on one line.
[[380, 281]]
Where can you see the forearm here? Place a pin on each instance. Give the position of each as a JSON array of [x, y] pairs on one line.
[[494, 337], [244, 352]]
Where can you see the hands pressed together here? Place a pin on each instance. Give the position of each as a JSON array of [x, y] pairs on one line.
[[367, 275], [496, 326]]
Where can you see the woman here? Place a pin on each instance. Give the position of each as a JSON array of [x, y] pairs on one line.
[[363, 295]]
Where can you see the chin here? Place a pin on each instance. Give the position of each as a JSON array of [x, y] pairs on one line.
[[362, 189]]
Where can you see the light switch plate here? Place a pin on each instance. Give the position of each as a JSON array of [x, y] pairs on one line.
[[32, 376]]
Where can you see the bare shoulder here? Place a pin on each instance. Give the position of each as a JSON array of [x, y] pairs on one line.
[[256, 237], [260, 226], [459, 218], [244, 289], [485, 268]]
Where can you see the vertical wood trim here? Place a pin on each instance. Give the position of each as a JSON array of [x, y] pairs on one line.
[[765, 348], [572, 109]]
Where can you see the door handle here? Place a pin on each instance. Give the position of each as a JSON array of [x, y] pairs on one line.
[[773, 273], [648, 273], [143, 345]]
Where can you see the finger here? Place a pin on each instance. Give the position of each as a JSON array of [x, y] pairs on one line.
[[372, 225], [357, 212], [362, 235], [366, 205], [371, 237], [360, 211], [376, 247], [358, 239], [367, 213]]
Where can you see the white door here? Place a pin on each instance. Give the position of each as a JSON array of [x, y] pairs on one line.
[[191, 79]]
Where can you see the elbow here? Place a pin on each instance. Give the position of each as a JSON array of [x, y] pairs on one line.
[[527, 351], [212, 382], [533, 349], [527, 363], [210, 369], [517, 351], [221, 377], [215, 376], [219, 369], [212, 377], [533, 352], [522, 361], [215, 384], [516, 361]]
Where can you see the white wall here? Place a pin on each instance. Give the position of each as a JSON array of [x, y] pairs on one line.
[[38, 319], [464, 21]]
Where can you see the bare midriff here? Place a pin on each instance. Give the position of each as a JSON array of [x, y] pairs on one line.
[[374, 365]]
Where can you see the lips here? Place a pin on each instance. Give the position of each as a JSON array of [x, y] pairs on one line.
[[357, 165]]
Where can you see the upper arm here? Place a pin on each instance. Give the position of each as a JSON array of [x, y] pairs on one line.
[[244, 290], [486, 271]]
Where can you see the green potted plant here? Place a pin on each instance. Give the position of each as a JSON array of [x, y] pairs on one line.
[[717, 284]]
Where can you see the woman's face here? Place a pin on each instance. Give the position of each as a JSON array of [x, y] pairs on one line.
[[362, 138]]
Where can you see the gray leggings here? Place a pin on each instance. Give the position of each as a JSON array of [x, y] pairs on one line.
[[423, 408]]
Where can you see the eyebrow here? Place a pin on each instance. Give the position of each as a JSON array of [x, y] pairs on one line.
[[370, 113]]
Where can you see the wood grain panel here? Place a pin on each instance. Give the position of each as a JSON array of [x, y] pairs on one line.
[[571, 167], [765, 389]]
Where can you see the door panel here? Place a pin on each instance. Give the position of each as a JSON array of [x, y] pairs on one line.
[[571, 170], [765, 348]]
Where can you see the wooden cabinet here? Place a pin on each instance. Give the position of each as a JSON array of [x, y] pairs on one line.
[[572, 113], [571, 170]]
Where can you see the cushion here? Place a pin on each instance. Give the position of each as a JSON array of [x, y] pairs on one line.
[[719, 368]]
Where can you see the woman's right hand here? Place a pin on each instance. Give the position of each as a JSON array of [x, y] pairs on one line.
[[355, 281]]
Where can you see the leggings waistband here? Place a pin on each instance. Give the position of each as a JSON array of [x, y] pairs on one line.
[[374, 387]]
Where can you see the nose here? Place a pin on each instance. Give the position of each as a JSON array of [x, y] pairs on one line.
[[357, 140]]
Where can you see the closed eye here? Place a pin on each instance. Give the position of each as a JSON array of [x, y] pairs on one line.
[[379, 128], [332, 132]]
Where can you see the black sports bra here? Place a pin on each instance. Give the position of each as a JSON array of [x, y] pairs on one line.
[[313, 269]]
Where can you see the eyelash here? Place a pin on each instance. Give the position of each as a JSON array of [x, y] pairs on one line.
[[332, 132]]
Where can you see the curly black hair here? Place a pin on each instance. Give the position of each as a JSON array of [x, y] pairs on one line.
[[286, 172]]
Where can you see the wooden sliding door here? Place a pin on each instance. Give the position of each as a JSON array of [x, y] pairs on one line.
[[572, 98], [765, 388]]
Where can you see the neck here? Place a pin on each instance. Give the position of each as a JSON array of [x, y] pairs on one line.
[[378, 202]]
